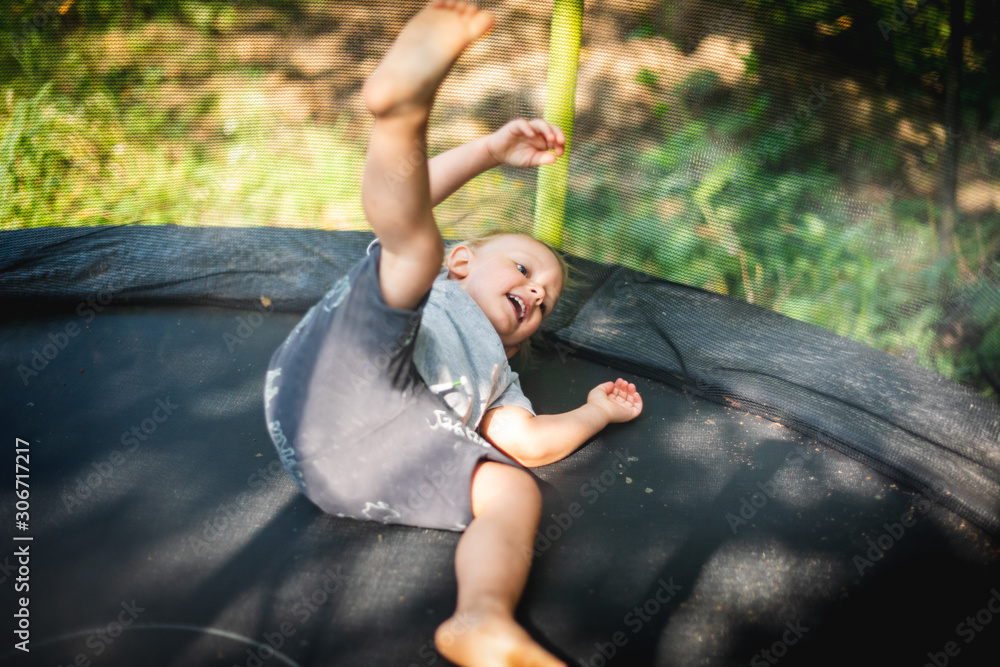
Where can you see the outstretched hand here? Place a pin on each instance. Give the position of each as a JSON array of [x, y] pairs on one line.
[[526, 143], [619, 399]]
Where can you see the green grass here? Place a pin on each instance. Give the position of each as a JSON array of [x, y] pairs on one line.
[[723, 201], [727, 206], [99, 162], [96, 162]]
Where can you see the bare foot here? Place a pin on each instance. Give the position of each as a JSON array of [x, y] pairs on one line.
[[485, 639], [422, 54]]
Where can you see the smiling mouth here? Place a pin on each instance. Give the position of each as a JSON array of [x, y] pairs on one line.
[[518, 304]]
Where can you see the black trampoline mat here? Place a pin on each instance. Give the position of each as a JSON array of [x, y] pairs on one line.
[[165, 533]]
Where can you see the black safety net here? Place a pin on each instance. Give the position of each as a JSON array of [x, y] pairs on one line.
[[816, 456], [782, 223]]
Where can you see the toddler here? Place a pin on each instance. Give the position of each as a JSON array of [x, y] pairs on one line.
[[392, 400]]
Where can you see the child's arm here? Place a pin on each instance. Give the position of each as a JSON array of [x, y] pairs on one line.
[[539, 440], [519, 143]]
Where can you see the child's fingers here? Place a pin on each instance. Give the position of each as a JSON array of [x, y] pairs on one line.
[[555, 136], [550, 132], [625, 395], [543, 124], [523, 126], [560, 136], [542, 159], [627, 390], [543, 128]]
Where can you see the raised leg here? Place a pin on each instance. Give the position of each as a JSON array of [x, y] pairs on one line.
[[395, 190], [492, 565]]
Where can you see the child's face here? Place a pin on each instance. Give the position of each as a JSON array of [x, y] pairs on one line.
[[514, 279]]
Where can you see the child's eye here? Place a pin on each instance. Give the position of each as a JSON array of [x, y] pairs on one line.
[[521, 268]]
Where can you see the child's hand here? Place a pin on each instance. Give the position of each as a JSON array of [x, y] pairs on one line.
[[526, 143], [618, 399]]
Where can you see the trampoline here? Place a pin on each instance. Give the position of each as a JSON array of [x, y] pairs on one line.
[[692, 536], [788, 495]]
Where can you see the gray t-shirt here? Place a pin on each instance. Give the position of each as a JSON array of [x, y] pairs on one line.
[[456, 339]]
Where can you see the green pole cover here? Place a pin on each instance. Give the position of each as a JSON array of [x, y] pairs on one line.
[[560, 93]]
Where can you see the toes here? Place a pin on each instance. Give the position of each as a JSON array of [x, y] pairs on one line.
[[482, 23]]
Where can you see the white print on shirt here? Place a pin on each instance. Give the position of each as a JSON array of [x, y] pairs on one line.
[[270, 391], [379, 508], [301, 325], [333, 298], [337, 295], [456, 427], [285, 451]]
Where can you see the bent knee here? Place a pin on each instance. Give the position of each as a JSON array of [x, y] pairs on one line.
[[498, 484]]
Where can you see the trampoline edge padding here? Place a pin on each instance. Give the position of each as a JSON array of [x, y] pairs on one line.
[[909, 423]]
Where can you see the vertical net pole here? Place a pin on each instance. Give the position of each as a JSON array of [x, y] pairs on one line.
[[560, 95]]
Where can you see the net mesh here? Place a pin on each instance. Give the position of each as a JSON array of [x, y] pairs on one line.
[[747, 148], [755, 216], [913, 425]]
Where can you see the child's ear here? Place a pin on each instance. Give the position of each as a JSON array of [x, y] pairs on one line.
[[458, 261]]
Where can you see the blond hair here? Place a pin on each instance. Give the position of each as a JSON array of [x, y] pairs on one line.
[[476, 242]]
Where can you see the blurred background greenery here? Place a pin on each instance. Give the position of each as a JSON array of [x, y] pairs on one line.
[[834, 161]]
